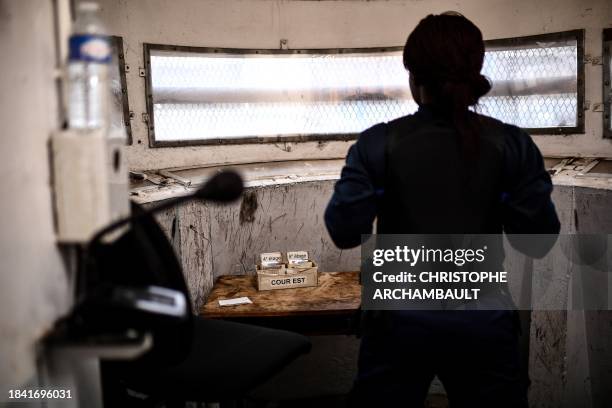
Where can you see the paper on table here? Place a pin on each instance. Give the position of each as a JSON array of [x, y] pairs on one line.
[[236, 301]]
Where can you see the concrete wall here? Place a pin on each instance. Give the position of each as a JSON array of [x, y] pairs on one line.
[[569, 353], [212, 240], [33, 286], [320, 24]]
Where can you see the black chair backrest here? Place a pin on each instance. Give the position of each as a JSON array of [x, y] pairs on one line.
[[143, 256]]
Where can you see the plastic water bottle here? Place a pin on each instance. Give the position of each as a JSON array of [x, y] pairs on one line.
[[88, 68]]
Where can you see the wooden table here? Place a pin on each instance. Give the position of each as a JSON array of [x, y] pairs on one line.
[[329, 308]]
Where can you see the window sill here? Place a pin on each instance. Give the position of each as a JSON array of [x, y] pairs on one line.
[[165, 184]]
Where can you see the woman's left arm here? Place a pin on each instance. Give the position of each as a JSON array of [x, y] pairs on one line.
[[353, 205]]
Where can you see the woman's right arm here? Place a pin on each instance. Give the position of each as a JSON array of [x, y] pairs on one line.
[[526, 198]]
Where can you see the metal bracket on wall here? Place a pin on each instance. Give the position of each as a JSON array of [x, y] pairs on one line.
[[587, 167], [595, 106], [593, 59], [152, 177], [562, 165], [181, 180], [577, 164], [603, 171], [581, 167]]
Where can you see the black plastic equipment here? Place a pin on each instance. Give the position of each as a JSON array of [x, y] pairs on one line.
[[192, 359]]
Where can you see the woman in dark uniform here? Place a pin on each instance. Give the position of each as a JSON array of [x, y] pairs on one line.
[[443, 170]]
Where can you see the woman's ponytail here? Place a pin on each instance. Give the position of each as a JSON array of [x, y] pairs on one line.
[[457, 96]]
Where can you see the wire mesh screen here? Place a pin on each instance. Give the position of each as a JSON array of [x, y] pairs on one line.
[[212, 95], [228, 96], [534, 86], [214, 120]]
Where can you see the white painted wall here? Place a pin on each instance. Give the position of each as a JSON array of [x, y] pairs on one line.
[[320, 24], [33, 288]]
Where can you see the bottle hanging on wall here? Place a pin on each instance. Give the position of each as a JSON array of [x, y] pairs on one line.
[[88, 70]]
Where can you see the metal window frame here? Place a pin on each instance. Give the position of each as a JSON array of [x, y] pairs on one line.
[[117, 44], [607, 82], [577, 35], [147, 48]]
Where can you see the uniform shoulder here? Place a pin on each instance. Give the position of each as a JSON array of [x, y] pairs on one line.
[[491, 122], [404, 120], [405, 124], [378, 132], [374, 131], [371, 137], [511, 134]]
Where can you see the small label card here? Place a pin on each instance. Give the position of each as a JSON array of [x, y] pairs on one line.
[[234, 302], [298, 259], [271, 260]]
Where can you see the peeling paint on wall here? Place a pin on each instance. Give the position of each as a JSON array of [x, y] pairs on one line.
[[248, 207]]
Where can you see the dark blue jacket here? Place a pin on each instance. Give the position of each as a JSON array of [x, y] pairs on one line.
[[359, 193]]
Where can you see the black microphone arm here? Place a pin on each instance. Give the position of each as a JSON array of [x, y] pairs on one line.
[[225, 186]]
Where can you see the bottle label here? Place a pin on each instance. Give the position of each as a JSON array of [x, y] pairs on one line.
[[90, 48]]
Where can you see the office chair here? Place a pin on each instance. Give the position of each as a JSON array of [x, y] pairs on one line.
[[192, 359]]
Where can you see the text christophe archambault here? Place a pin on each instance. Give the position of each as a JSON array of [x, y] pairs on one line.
[[418, 284]]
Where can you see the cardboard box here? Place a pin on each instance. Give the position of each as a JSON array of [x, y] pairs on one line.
[[287, 278]]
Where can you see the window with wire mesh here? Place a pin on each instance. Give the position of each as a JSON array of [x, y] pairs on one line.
[[535, 81], [210, 95]]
